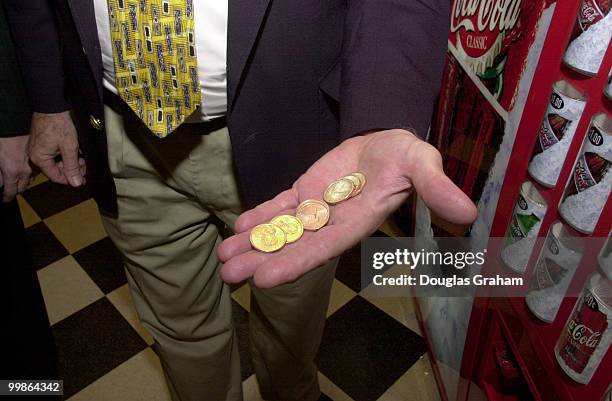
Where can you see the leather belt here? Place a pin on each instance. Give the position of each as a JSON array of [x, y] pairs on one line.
[[119, 106]]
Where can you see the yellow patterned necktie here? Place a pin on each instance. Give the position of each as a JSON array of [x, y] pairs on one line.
[[155, 60]]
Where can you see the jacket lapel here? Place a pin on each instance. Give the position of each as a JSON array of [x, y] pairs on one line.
[[244, 22]]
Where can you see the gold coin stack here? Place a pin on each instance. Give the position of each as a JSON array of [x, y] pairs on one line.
[[310, 215]]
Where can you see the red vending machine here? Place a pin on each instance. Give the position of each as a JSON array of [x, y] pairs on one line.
[[524, 124]]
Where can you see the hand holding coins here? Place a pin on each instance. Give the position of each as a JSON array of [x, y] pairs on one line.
[[310, 215], [396, 162]]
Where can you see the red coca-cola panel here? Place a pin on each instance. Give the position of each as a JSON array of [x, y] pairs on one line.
[[468, 132], [493, 37]]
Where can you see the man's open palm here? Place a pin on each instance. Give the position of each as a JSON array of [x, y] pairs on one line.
[[394, 162]]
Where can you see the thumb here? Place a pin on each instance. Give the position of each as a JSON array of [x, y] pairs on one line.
[[51, 169], [438, 192], [71, 168]]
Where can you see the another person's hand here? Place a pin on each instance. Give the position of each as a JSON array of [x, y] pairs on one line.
[[15, 170], [54, 148], [394, 162]]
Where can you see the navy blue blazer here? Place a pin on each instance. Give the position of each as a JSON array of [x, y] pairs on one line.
[[14, 109], [302, 76]]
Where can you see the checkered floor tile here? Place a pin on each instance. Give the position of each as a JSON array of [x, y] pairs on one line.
[[372, 349]]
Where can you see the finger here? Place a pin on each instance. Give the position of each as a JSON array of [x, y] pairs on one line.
[[10, 190], [82, 167], [242, 266], [234, 246], [71, 168], [440, 194], [307, 254], [446, 200], [24, 181], [263, 213], [60, 165], [50, 168]]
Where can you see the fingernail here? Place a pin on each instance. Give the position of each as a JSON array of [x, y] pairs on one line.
[[75, 181]]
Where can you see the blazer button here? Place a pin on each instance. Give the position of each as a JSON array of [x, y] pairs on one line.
[[95, 123]]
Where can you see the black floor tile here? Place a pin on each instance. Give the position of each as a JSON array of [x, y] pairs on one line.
[[241, 324], [349, 266], [364, 350], [91, 343], [46, 249], [324, 397], [236, 286], [104, 264], [49, 198]]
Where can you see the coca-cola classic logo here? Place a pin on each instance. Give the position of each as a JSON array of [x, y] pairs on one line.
[[482, 22], [583, 335], [591, 12], [580, 332]]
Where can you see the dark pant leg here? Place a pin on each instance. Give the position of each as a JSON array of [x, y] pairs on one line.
[[28, 349]]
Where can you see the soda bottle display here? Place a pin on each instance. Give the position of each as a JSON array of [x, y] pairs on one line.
[[523, 228], [589, 171], [553, 273], [592, 33], [590, 183], [587, 334], [556, 132]]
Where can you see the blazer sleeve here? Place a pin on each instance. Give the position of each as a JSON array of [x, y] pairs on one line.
[[393, 55], [37, 45], [14, 109]]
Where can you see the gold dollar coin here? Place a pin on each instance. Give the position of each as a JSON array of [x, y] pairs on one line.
[[292, 226], [268, 237], [313, 214], [356, 183], [362, 179], [338, 191]]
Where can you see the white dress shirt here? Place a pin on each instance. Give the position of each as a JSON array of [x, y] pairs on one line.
[[211, 48]]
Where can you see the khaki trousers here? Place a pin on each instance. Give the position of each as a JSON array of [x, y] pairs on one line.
[[175, 196]]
